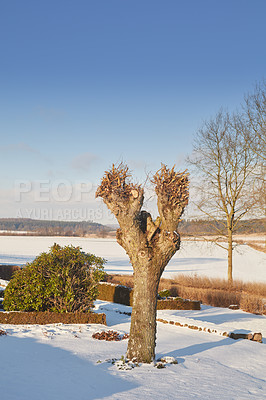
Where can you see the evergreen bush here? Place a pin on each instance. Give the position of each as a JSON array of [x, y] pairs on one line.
[[164, 293], [63, 280]]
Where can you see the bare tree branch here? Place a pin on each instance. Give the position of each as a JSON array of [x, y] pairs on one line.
[[224, 164]]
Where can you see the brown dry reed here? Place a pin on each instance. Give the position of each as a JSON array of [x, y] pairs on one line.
[[249, 296]]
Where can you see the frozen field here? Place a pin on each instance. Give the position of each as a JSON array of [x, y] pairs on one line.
[[194, 257], [60, 362]]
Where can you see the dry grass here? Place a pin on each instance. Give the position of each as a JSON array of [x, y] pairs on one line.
[[126, 280], [253, 304], [259, 245], [195, 281], [212, 297], [250, 296]]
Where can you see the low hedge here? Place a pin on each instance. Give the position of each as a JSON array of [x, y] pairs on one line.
[[124, 295], [47, 317], [177, 303], [7, 271], [115, 293]]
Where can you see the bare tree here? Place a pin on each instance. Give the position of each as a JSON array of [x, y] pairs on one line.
[[255, 136], [149, 244], [255, 112], [224, 165]]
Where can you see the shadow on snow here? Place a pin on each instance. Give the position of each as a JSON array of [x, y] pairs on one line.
[[198, 348], [32, 370]]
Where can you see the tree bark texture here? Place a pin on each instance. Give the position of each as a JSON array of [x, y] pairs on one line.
[[149, 244], [141, 345], [230, 255]]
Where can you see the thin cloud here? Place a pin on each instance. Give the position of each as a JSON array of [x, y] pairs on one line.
[[20, 147], [84, 161]]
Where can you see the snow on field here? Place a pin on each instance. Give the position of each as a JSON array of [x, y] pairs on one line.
[[3, 284], [194, 256], [60, 362]]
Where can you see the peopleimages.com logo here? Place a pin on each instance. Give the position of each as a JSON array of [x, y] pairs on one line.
[[53, 190], [62, 214], [60, 200]]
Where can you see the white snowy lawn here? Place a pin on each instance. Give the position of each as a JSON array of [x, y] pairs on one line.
[[194, 257], [60, 362]]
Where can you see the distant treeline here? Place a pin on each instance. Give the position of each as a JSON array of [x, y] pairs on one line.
[[83, 228], [54, 228], [203, 227]]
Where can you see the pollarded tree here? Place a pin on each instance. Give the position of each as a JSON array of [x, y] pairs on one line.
[[149, 244]]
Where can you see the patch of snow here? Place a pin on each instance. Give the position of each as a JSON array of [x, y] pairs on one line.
[[62, 362], [15, 232], [3, 283]]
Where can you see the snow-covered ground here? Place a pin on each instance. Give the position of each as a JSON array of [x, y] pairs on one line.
[[194, 256], [3, 284], [60, 362]]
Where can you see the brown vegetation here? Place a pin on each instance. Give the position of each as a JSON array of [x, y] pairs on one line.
[[34, 227], [177, 303], [115, 293], [6, 271], [43, 318], [124, 295], [203, 227], [219, 284], [249, 296], [110, 336], [259, 245]]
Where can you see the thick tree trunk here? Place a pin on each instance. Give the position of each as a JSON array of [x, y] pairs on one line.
[[149, 244], [230, 255], [141, 345]]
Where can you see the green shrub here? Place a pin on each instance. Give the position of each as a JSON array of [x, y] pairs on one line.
[[164, 293], [63, 280]]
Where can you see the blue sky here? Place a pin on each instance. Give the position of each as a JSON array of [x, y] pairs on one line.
[[87, 83]]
